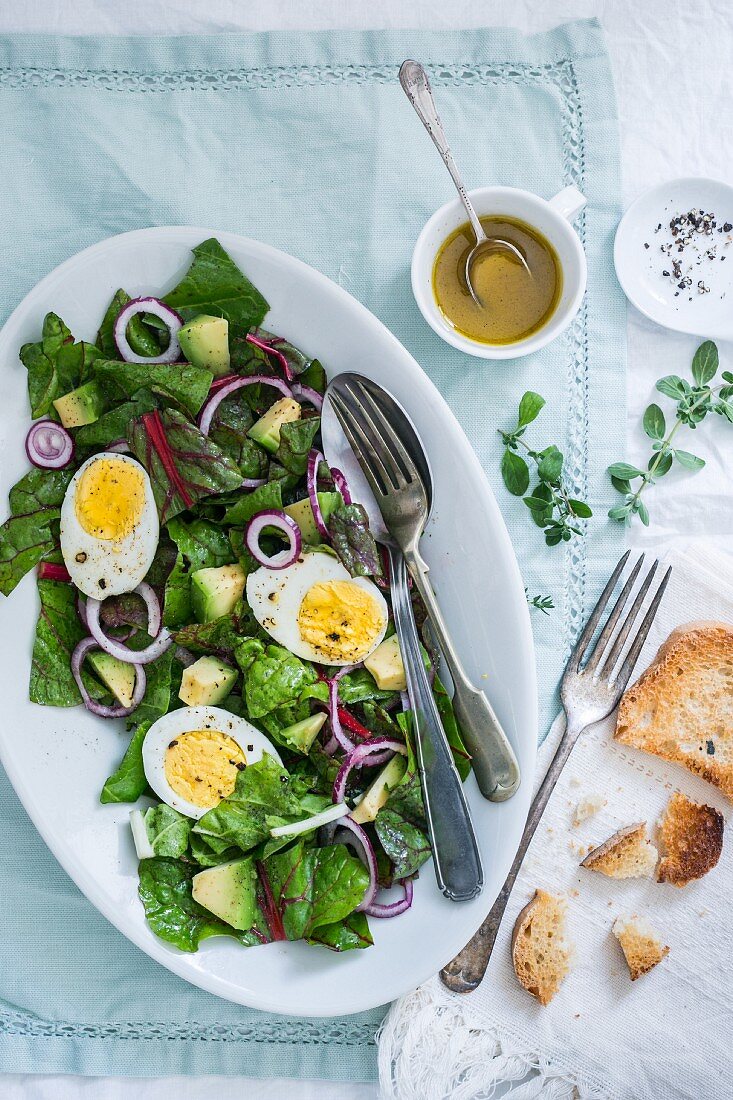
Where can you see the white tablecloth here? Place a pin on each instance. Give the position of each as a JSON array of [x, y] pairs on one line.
[[671, 63]]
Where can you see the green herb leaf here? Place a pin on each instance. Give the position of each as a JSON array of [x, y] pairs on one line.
[[619, 511], [664, 466], [672, 386], [654, 424], [625, 471], [515, 473], [642, 511], [549, 468], [530, 407], [580, 509], [688, 460], [705, 363]]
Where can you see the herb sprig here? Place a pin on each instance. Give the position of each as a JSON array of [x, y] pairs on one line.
[[549, 502], [694, 401], [542, 603]]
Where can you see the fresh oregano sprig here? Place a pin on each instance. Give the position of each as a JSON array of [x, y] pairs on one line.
[[542, 603], [693, 403], [549, 503]]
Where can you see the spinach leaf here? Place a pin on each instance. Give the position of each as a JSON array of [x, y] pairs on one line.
[[55, 365], [57, 632], [249, 504], [314, 887], [353, 541], [314, 376], [215, 285], [181, 383], [461, 756], [128, 782], [167, 831], [184, 466], [166, 893], [114, 425], [201, 545], [205, 855], [406, 798], [144, 339], [406, 845], [360, 686], [296, 441], [349, 934], [273, 677], [177, 609], [262, 796], [29, 534]]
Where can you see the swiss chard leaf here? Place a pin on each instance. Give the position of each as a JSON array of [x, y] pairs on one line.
[[113, 425], [406, 845], [296, 441], [184, 466], [273, 677], [229, 428], [57, 632], [350, 934], [166, 893], [315, 887], [28, 535], [215, 285], [220, 637], [353, 541], [167, 830], [280, 351], [181, 383], [55, 365], [263, 794]]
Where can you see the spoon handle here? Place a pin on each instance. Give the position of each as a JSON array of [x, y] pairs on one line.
[[416, 86]]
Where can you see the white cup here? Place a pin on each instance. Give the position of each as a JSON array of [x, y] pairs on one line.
[[551, 217]]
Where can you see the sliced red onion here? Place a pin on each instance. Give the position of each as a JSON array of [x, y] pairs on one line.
[[405, 701], [337, 730], [360, 843], [207, 413], [81, 610], [120, 447], [376, 751], [253, 482], [270, 350], [77, 660], [341, 484], [392, 909], [49, 446], [53, 571], [308, 824], [307, 393], [172, 320], [162, 642], [315, 458], [152, 604], [273, 517]]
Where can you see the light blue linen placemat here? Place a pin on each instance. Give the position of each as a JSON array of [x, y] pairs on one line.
[[304, 141]]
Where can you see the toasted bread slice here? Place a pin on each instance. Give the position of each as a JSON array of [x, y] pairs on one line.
[[681, 708], [692, 835], [540, 955], [627, 854], [640, 944]]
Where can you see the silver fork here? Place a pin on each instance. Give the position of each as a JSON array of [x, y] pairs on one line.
[[456, 857], [589, 694]]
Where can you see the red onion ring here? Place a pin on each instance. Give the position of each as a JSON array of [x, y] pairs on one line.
[[315, 458], [119, 447], [253, 482], [360, 843], [162, 642], [269, 350], [158, 309], [392, 909], [338, 737], [307, 393], [272, 517], [341, 485], [48, 445], [380, 749], [212, 404], [101, 709]]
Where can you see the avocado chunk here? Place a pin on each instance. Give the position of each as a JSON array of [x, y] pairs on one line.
[[206, 682], [266, 431], [215, 591], [228, 891], [302, 513], [205, 343], [301, 735], [380, 790], [385, 665], [81, 406], [118, 676]]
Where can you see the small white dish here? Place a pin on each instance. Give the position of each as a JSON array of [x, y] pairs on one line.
[[551, 217], [640, 269]]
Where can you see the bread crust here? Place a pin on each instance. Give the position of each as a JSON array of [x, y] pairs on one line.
[[680, 709], [692, 834], [542, 980]]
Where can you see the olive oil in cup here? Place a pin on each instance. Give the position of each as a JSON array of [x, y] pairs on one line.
[[514, 303], [549, 222]]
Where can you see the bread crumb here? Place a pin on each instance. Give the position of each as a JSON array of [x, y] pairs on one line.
[[575, 782]]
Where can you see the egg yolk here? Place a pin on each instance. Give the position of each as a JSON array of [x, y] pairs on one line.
[[201, 766], [341, 620], [109, 498]]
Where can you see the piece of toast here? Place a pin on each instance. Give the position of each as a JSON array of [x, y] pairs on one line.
[[640, 944], [681, 708], [627, 854], [540, 955], [692, 835]]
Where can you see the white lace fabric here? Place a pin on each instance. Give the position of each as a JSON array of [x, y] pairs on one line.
[[665, 1035]]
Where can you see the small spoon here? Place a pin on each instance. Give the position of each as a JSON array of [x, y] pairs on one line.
[[416, 86]]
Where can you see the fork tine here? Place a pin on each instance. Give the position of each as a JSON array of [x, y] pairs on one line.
[[613, 618], [387, 431], [624, 673], [620, 640], [373, 434], [373, 469], [590, 627]]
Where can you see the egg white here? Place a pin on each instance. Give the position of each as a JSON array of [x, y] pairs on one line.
[[111, 566], [252, 743], [275, 596]]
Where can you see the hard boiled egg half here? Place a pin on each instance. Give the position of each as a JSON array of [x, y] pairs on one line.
[[191, 756], [109, 525], [317, 610]]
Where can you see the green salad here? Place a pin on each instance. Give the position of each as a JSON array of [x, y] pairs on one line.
[[207, 583]]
